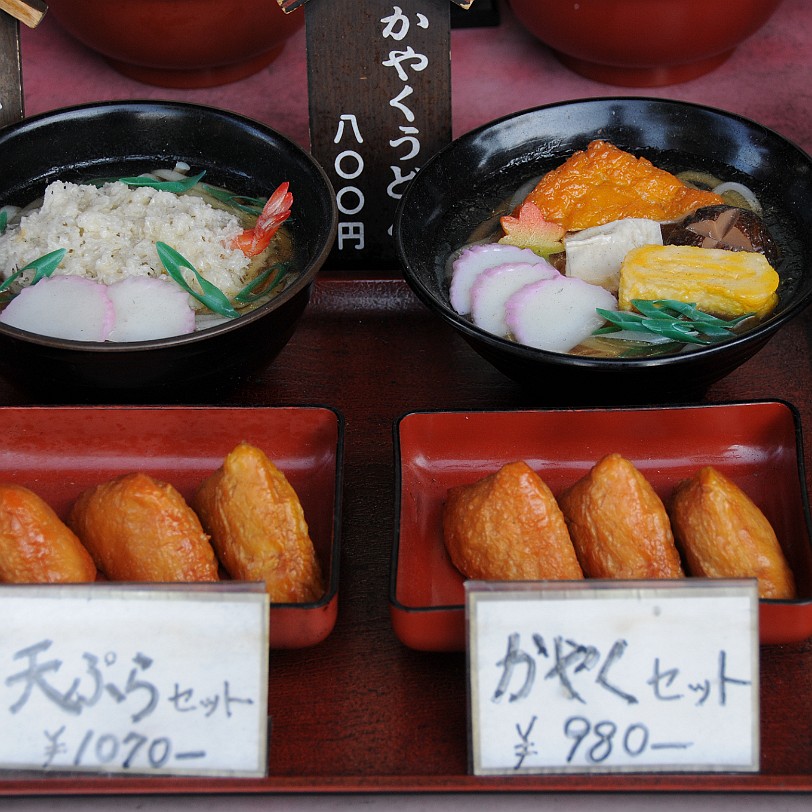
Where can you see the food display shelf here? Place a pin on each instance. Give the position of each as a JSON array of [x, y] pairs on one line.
[[360, 711], [363, 712]]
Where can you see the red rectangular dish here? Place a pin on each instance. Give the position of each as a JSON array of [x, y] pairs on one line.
[[758, 445], [60, 451]]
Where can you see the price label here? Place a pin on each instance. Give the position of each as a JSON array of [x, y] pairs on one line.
[[134, 679], [379, 95], [613, 676]]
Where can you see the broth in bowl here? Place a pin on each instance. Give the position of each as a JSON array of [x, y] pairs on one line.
[[608, 255], [150, 256]]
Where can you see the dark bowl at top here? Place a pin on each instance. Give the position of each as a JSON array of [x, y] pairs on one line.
[[462, 184], [126, 138]]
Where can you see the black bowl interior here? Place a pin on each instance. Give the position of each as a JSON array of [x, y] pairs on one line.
[[464, 183], [125, 138]]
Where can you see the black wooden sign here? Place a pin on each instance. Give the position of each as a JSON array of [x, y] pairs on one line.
[[11, 83], [31, 13], [379, 85]]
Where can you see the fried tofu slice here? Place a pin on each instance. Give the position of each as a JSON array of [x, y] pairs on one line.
[[619, 525], [258, 526], [508, 527], [724, 534], [138, 528], [603, 183], [36, 546]]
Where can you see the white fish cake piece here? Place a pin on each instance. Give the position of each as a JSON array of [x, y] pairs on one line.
[[493, 288], [68, 307], [148, 308], [557, 314], [474, 260]]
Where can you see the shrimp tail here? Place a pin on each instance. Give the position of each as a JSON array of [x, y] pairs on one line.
[[255, 240]]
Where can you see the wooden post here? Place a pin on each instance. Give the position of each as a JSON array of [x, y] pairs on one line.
[[379, 85], [11, 80]]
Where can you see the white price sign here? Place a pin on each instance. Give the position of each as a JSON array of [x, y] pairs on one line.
[[134, 679], [613, 676]]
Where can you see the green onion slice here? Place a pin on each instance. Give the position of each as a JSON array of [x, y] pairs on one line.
[[244, 203], [209, 295], [679, 321], [42, 266], [178, 187], [248, 296], [250, 205], [46, 264]]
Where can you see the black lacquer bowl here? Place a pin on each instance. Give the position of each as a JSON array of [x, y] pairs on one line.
[[460, 186], [126, 138]]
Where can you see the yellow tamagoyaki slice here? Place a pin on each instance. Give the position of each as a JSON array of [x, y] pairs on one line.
[[725, 283]]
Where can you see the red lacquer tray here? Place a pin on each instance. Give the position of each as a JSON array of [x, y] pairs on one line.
[[757, 445], [59, 452]]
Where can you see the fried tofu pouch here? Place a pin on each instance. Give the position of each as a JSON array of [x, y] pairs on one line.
[[138, 528], [258, 527], [508, 527], [724, 534], [603, 183], [36, 546], [619, 525]]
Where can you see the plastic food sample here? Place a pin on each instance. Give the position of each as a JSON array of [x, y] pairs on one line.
[[603, 183], [258, 527], [508, 526], [140, 529], [618, 524], [35, 544], [724, 534]]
